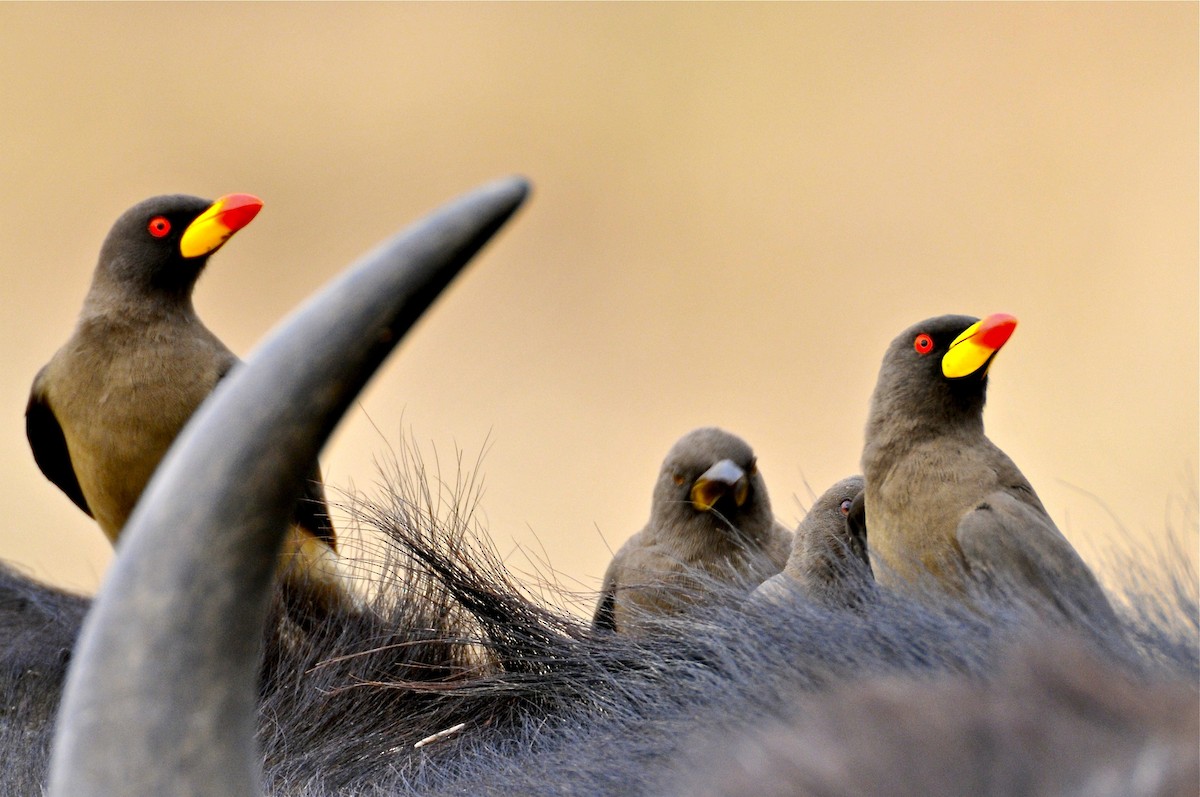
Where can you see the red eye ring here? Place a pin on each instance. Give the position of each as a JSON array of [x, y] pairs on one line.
[[845, 507], [159, 226], [923, 344]]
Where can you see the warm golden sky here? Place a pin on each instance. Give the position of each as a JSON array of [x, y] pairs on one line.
[[737, 207]]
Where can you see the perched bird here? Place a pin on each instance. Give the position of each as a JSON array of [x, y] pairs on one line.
[[829, 560], [105, 409], [941, 499], [710, 519]]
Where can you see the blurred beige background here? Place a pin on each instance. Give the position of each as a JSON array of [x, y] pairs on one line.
[[736, 209]]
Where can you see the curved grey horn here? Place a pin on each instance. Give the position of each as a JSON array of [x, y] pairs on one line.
[[160, 699]]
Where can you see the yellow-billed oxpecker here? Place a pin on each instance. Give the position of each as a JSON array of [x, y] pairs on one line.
[[105, 409], [942, 500], [709, 517]]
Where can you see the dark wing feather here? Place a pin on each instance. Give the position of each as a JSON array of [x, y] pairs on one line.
[[605, 617], [49, 446]]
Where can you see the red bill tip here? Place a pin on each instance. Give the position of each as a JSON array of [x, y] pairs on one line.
[[238, 210], [996, 329]]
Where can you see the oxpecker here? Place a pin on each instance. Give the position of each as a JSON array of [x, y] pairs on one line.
[[710, 522], [105, 409], [829, 562], [942, 501]]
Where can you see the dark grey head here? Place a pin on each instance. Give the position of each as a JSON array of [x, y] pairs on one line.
[[834, 503], [832, 528], [159, 246], [833, 507], [712, 475], [934, 374]]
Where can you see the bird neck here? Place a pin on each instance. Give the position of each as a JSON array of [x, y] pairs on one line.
[[110, 299], [711, 535], [891, 434]]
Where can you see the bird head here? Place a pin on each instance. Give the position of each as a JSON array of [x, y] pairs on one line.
[[161, 245], [712, 475], [834, 504], [831, 516], [935, 372]]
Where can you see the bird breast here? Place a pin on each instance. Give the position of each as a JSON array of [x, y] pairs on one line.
[[114, 441], [913, 510]]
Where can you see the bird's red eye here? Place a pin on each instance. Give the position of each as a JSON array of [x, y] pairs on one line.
[[923, 344], [678, 478], [846, 506], [159, 226]]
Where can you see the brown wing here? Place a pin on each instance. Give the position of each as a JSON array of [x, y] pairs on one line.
[[1011, 544], [49, 446]]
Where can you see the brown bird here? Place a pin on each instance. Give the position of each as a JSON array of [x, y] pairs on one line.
[[710, 520], [941, 499], [105, 409], [829, 559]]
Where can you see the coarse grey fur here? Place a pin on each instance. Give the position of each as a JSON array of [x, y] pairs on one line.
[[38, 626], [1052, 719], [550, 708]]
